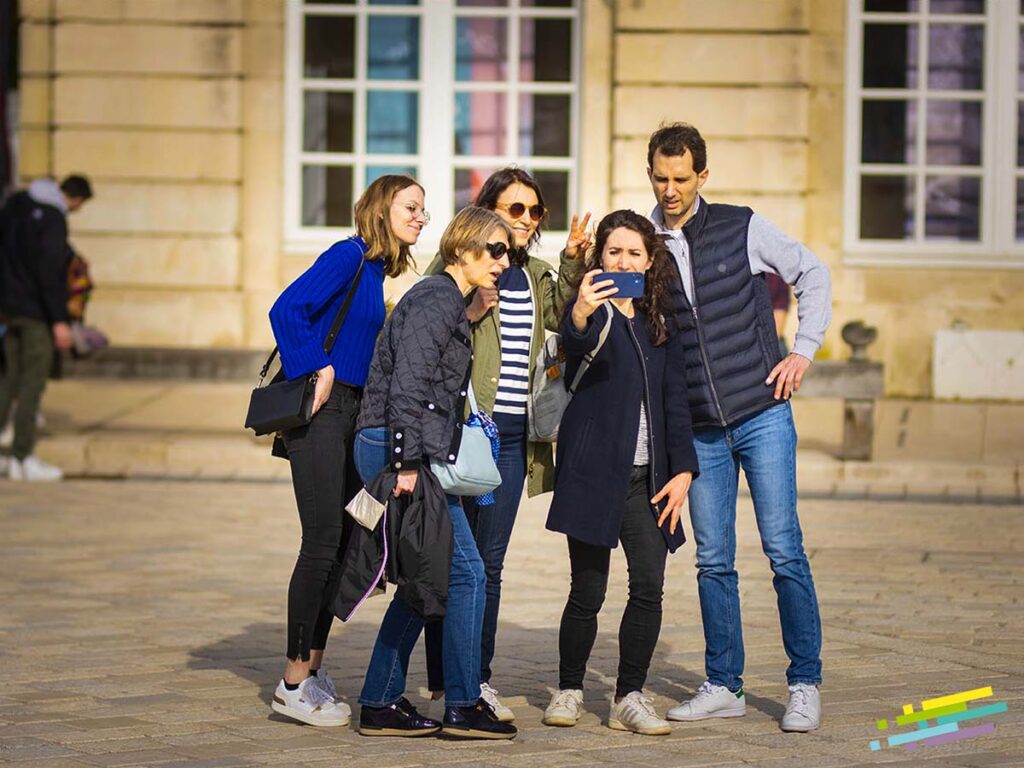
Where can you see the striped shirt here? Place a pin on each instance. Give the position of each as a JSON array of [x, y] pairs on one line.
[[515, 317], [640, 456]]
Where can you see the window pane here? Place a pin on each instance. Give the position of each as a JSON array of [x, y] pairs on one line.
[[482, 3], [886, 207], [1020, 209], [330, 46], [555, 186], [327, 122], [394, 48], [892, 6], [544, 122], [957, 6], [480, 123], [890, 55], [545, 50], [954, 133], [374, 172], [326, 196], [546, 3], [467, 184], [392, 122], [955, 53], [952, 208], [889, 128], [481, 49]]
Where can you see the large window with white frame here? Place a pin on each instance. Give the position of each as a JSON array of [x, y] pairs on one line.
[[445, 90], [934, 140]]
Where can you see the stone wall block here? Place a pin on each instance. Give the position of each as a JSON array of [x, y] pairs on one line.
[[123, 261], [754, 15], [189, 209]]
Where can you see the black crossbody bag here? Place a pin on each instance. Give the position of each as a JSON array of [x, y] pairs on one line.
[[284, 404]]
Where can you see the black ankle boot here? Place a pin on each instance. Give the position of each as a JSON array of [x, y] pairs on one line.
[[398, 719], [476, 722]]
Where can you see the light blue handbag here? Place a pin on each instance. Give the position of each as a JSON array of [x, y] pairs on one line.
[[473, 472]]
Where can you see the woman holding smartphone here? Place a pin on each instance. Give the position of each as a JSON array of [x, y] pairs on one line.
[[507, 335], [624, 466], [413, 413], [389, 218]]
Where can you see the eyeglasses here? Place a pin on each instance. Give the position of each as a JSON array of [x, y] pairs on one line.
[[497, 250], [415, 212], [515, 210]]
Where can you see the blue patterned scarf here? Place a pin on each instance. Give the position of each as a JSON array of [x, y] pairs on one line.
[[483, 420]]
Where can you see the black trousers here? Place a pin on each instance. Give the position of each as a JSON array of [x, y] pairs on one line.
[[645, 550], [325, 479]]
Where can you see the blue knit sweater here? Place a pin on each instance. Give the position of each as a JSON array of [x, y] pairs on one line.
[[302, 315]]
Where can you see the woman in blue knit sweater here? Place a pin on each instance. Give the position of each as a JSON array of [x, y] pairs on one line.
[[389, 217]]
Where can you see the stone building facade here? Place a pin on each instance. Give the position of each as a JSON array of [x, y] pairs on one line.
[[179, 112]]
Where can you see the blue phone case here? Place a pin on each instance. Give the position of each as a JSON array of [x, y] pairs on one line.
[[630, 284]]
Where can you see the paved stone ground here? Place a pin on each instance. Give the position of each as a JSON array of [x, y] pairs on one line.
[[142, 624]]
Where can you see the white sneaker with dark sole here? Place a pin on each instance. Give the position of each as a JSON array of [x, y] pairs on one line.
[[490, 695], [636, 713], [710, 701], [311, 705]]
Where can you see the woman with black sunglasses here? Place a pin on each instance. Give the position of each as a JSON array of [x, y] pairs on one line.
[[508, 324]]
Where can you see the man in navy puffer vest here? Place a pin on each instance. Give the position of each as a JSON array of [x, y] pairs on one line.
[[739, 390]]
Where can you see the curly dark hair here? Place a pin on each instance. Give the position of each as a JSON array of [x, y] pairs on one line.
[[498, 182], [654, 302]]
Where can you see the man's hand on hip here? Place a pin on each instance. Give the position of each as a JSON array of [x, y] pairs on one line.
[[787, 375]]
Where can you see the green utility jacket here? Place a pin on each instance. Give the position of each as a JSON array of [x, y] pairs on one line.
[[550, 295]]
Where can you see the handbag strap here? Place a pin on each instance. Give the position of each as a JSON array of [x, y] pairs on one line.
[[589, 357], [339, 319], [472, 398]]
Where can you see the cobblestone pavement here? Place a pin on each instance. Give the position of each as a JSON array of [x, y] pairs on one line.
[[142, 623]]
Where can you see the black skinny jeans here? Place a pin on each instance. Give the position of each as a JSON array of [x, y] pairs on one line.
[[645, 550], [325, 480]]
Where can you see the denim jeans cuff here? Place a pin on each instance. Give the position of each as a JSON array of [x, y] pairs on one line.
[[804, 681], [377, 704], [472, 703]]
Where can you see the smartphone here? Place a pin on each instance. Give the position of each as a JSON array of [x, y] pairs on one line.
[[630, 284]]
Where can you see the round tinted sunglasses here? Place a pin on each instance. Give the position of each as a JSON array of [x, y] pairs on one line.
[[497, 250], [518, 209]]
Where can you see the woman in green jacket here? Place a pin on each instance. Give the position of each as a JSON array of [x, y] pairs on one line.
[[508, 328]]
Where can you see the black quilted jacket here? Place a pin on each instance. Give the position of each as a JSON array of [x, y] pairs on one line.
[[419, 374]]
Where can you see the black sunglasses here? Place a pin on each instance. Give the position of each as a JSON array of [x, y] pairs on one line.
[[518, 209], [497, 250]]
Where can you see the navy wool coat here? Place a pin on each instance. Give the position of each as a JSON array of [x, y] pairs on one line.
[[597, 436]]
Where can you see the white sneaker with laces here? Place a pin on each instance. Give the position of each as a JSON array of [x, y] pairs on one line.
[[310, 704], [34, 470], [636, 713], [803, 713], [322, 680], [711, 701], [565, 708], [490, 695]]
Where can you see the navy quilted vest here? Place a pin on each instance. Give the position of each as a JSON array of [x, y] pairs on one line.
[[730, 336]]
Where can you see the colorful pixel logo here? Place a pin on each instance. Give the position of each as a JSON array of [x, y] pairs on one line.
[[948, 712]]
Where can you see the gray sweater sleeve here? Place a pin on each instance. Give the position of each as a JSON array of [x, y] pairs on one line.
[[771, 250]]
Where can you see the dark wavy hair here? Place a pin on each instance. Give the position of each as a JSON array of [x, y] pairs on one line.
[[654, 302], [497, 183]]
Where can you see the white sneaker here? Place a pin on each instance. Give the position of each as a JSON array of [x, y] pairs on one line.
[[324, 682], [803, 713], [7, 435], [636, 713], [490, 695], [564, 709], [310, 704], [33, 470], [711, 701]]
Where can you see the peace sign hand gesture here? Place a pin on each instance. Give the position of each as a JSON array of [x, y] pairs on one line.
[[579, 237]]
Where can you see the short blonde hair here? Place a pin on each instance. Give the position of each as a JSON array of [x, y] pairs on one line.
[[373, 222], [469, 231]]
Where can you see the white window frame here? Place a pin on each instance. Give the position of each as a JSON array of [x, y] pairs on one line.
[[997, 246], [437, 87]]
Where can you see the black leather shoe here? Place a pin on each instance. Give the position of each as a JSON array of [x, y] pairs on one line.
[[476, 722], [398, 719]]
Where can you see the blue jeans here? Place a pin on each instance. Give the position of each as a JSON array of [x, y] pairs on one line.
[[764, 445], [492, 528], [401, 627]]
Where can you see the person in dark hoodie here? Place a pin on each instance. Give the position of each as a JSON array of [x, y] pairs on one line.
[[624, 465], [33, 302]]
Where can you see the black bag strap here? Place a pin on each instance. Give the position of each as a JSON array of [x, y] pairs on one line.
[[339, 319]]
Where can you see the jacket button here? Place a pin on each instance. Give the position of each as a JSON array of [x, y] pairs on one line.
[[398, 435], [463, 393], [398, 450], [493, 380], [451, 457], [398, 465], [430, 406]]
